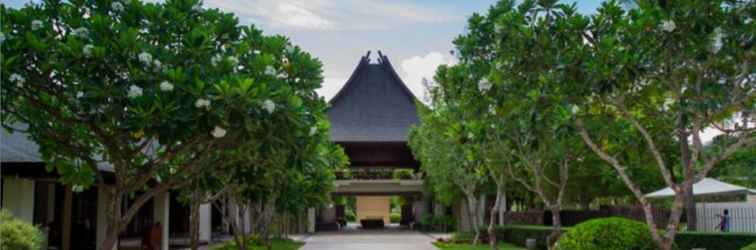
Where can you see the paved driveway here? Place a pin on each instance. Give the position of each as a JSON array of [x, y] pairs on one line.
[[370, 240]]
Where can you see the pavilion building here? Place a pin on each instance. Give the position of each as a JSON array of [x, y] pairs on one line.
[[370, 119]]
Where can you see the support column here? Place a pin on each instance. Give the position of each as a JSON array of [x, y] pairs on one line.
[[311, 220], [161, 209], [205, 222], [67, 209], [18, 197], [419, 208]]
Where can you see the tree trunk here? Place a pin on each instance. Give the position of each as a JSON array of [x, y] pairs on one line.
[[690, 202], [114, 216], [492, 219], [194, 215], [502, 209], [240, 235], [557, 222], [472, 210]]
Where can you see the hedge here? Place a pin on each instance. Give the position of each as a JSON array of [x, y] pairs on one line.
[[518, 234], [714, 241], [750, 247]]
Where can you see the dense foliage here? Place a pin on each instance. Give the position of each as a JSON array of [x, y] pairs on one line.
[[161, 93], [18, 234], [714, 241], [633, 88], [608, 233]]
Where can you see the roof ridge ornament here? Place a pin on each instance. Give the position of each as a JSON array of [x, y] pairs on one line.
[[367, 56]]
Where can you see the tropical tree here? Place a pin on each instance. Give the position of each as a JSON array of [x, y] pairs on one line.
[[145, 90], [442, 145], [514, 54], [666, 72]]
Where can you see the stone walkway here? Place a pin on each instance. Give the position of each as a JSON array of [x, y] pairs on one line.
[[370, 240]]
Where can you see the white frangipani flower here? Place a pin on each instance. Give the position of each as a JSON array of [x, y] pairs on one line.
[[484, 85], [717, 42], [269, 106], [233, 60], [256, 52], [36, 24], [117, 6], [77, 188], [498, 28], [18, 79], [134, 91], [79, 94], [219, 132], [215, 60], [668, 26], [574, 109], [166, 86], [87, 50], [202, 103], [197, 7], [668, 103], [145, 58], [80, 32], [270, 70], [285, 60], [313, 130], [158, 65]]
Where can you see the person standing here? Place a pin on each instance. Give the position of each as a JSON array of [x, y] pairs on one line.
[[724, 221]]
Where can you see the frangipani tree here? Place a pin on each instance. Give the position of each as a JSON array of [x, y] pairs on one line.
[[514, 55], [146, 90], [669, 71], [441, 143]]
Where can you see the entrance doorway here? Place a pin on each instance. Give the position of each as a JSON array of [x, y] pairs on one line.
[[368, 212]]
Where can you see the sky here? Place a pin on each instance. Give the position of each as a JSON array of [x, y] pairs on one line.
[[416, 35]]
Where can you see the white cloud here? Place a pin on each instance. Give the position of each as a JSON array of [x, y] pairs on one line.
[[418, 67], [331, 14], [331, 86]]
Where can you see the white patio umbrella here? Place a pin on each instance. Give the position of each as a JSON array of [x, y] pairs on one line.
[[705, 187]]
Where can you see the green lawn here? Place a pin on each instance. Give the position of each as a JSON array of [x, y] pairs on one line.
[[278, 244], [451, 246]]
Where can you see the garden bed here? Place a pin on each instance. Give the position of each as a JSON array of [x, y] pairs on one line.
[[277, 244]]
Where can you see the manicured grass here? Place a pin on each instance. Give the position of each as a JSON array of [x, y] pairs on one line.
[[454, 246], [278, 244]]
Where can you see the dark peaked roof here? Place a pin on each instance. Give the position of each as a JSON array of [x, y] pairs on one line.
[[373, 106]]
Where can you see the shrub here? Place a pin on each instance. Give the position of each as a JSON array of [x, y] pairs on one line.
[[714, 241], [395, 217], [462, 237], [608, 234], [442, 223], [519, 234], [403, 174], [750, 247], [17, 234], [350, 216]]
